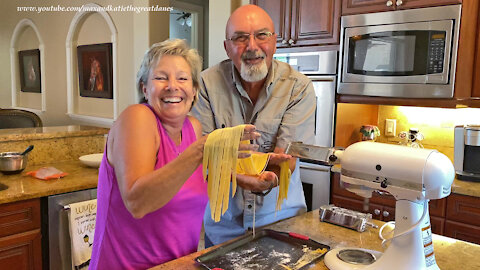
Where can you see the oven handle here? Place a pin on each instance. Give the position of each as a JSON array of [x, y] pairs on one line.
[[313, 166], [322, 78]]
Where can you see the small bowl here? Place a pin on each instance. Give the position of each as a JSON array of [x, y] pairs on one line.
[[12, 162], [92, 160]]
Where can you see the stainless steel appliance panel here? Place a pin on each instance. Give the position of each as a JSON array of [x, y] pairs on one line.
[[318, 176], [467, 152], [321, 68], [325, 112], [428, 86], [59, 246], [311, 63], [441, 78]]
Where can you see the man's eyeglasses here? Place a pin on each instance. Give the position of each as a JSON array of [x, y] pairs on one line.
[[260, 37]]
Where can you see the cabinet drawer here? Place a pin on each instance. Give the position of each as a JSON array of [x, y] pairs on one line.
[[19, 217], [465, 209], [462, 231]]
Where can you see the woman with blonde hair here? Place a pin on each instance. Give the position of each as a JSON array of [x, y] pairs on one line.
[[151, 192]]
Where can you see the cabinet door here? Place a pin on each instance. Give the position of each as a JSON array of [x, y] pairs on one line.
[[462, 231], [467, 49], [437, 208], [465, 209], [438, 225], [476, 67], [279, 11], [315, 22], [366, 6], [21, 251], [405, 4]]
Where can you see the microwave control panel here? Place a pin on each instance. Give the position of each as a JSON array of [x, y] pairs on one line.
[[436, 52]]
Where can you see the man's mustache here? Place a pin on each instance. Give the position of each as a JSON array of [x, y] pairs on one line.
[[252, 54]]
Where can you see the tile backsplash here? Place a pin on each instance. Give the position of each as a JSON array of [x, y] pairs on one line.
[[436, 124]]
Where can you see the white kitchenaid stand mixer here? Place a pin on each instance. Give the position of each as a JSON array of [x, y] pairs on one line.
[[413, 176]]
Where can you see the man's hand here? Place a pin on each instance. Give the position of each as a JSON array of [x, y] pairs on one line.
[[264, 181], [277, 158]]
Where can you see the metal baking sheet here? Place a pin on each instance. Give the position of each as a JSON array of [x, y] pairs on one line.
[[267, 250]]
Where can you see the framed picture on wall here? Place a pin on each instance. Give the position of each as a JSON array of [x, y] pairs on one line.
[[30, 80], [95, 74]]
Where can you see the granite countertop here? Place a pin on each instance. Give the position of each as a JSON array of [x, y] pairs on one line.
[[24, 187], [20, 134], [449, 253], [459, 186]]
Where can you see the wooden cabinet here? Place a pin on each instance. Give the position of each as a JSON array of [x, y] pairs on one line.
[[382, 207], [467, 80], [463, 218], [300, 23], [367, 6], [20, 236]]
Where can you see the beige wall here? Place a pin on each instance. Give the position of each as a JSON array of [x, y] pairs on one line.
[[135, 33], [219, 11]]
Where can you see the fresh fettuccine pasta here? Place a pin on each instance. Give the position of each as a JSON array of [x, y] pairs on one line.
[[255, 164], [220, 160]]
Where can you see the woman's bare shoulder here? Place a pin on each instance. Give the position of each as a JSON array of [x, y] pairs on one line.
[[135, 114], [135, 117]]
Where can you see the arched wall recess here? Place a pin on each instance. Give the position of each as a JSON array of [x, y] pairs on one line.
[[71, 46], [14, 66]]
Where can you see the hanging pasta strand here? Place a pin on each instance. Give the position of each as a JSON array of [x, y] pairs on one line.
[[285, 175], [220, 160]]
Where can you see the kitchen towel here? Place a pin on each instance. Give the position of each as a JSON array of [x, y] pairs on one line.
[[82, 227]]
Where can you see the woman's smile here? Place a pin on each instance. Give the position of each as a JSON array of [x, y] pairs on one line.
[[172, 99]]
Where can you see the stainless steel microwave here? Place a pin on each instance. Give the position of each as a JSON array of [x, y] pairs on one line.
[[407, 53]]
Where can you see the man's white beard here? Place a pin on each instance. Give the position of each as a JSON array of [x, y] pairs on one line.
[[254, 73]]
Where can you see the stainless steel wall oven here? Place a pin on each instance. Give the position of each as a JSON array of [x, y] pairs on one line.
[[320, 67]]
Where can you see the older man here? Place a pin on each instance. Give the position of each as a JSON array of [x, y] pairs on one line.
[[251, 87]]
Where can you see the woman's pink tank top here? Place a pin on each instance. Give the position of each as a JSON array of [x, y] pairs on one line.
[[123, 242]]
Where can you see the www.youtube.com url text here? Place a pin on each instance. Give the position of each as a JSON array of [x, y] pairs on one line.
[[83, 8]]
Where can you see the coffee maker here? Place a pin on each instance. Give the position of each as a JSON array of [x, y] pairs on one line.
[[467, 152]]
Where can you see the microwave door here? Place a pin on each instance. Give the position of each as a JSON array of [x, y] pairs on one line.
[[414, 53]]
